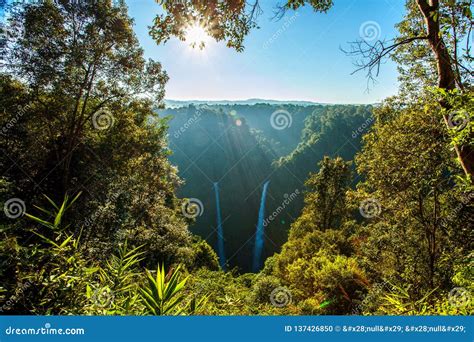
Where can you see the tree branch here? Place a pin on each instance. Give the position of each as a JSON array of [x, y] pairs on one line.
[[372, 55]]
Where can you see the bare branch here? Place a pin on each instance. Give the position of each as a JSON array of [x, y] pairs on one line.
[[255, 11], [279, 12], [371, 55]]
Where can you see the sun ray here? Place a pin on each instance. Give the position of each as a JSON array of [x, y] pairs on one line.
[[196, 36]]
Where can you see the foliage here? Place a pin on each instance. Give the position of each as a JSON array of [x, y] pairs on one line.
[[325, 201], [115, 287], [79, 113], [230, 21], [60, 275], [162, 294], [416, 63], [263, 286], [399, 302], [315, 263], [204, 255], [226, 293], [458, 111], [419, 223], [63, 279]]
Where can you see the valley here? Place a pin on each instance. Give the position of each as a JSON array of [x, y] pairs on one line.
[[240, 147]]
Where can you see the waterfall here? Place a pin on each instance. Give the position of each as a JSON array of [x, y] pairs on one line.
[[220, 231], [257, 254]]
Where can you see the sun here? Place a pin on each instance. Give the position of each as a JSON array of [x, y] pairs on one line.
[[196, 36]]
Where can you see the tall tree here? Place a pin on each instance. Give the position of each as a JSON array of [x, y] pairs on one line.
[[316, 262], [325, 203], [78, 59], [422, 226]]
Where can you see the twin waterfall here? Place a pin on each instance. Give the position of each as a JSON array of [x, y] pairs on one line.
[[259, 235]]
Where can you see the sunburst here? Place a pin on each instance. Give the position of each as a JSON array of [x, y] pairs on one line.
[[196, 36]]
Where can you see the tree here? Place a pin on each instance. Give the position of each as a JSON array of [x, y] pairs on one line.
[[443, 20], [80, 62], [421, 229], [228, 21], [316, 262], [78, 100], [325, 201]]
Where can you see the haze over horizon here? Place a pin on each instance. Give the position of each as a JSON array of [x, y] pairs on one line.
[[254, 99]]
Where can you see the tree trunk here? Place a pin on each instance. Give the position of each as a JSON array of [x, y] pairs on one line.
[[446, 75]]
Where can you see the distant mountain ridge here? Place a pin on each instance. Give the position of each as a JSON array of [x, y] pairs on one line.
[[169, 103]]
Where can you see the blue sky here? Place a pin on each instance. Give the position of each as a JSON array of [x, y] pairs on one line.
[[303, 62], [295, 58]]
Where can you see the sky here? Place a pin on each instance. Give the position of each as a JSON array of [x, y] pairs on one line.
[[296, 58]]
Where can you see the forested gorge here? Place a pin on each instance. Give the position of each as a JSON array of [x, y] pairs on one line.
[[237, 147], [369, 210]]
